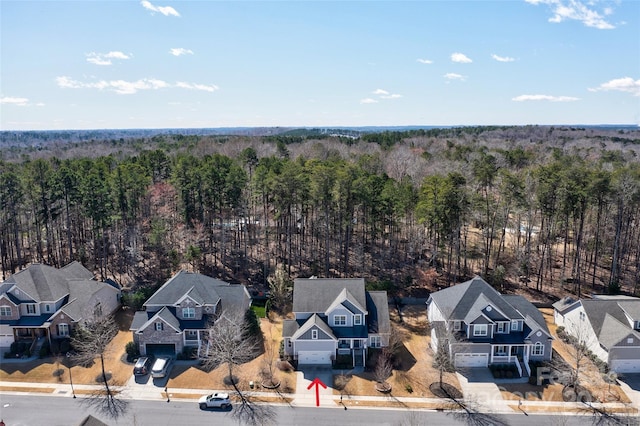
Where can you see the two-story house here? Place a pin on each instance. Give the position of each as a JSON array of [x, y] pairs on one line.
[[44, 302], [335, 317], [178, 314], [609, 325], [481, 326]]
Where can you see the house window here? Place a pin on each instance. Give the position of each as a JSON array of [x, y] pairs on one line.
[[314, 334], [340, 320], [357, 320], [159, 326], [47, 308], [456, 326], [582, 316], [188, 312], [5, 311], [480, 330], [500, 327], [630, 340], [500, 350], [514, 325], [31, 308], [192, 334], [63, 330], [375, 342], [538, 349]]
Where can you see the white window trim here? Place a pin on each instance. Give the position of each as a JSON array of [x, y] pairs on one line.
[[314, 334], [159, 326], [66, 333], [457, 326], [357, 319], [187, 310], [335, 320], [31, 305], [375, 342], [629, 340], [478, 327], [501, 352], [514, 326], [537, 349], [7, 311]]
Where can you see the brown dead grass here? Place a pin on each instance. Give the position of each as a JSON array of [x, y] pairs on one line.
[[25, 389], [591, 378], [415, 371]]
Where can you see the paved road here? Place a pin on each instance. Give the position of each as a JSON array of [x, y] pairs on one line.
[[28, 410]]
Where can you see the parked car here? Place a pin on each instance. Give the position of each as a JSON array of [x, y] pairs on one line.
[[142, 366], [161, 367], [215, 400]]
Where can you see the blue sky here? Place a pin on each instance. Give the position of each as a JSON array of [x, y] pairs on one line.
[[167, 63]]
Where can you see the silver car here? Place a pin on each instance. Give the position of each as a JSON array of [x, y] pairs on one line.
[[215, 400], [161, 367]]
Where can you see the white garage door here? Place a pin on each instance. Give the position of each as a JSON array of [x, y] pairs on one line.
[[6, 340], [314, 357], [471, 360], [626, 365]]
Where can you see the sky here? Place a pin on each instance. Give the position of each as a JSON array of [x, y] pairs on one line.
[[123, 64]]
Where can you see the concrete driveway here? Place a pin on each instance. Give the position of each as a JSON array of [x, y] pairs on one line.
[[630, 384], [305, 376], [479, 388]]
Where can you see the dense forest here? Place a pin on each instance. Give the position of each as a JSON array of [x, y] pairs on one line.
[[551, 209]]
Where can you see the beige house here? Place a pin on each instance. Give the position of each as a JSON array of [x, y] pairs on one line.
[[43, 302]]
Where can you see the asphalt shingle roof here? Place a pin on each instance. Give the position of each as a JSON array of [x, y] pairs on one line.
[[317, 294], [378, 307]]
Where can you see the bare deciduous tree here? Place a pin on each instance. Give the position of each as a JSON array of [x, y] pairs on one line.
[[229, 341], [280, 286], [90, 340]]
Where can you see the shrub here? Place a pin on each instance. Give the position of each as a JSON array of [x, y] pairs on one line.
[[408, 388], [45, 350], [132, 351]]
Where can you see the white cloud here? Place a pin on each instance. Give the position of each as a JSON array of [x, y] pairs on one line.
[[105, 58], [179, 51], [454, 76], [625, 84], [425, 61], [124, 87], [14, 101], [380, 92], [368, 101], [578, 10], [502, 58], [165, 10], [523, 98], [383, 94], [460, 58]]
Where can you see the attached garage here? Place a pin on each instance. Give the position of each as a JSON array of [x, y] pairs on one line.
[[160, 349], [6, 336], [314, 357], [471, 360], [625, 365]]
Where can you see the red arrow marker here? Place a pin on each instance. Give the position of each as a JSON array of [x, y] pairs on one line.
[[317, 382]]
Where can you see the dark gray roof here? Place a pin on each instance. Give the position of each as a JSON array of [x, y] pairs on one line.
[[76, 270], [613, 331], [457, 301], [289, 327], [533, 318], [564, 304], [91, 421], [317, 294], [80, 293], [42, 283], [203, 290], [631, 308], [315, 320], [608, 320], [378, 308], [139, 319]]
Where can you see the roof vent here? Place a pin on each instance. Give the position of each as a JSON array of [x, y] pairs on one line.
[[488, 308]]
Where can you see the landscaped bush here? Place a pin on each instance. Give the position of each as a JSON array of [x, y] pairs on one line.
[[504, 371], [343, 362], [45, 350], [132, 351], [19, 349]]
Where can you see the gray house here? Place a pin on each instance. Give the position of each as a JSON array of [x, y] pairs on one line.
[[335, 317], [481, 326], [177, 315], [42, 302], [608, 325]]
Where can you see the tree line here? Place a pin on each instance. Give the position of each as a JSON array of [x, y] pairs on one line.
[[454, 202]]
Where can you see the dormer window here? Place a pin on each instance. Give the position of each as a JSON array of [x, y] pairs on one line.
[[47, 308], [480, 330], [340, 320], [514, 326], [500, 327], [188, 312], [357, 319], [31, 308]]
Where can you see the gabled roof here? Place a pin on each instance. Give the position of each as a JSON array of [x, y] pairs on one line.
[[533, 318], [164, 314], [346, 299], [614, 331], [458, 301], [565, 304], [608, 319], [41, 283], [596, 311], [631, 308], [314, 321], [318, 294], [203, 289], [75, 269]]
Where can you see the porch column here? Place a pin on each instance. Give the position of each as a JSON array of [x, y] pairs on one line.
[[509, 354]]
